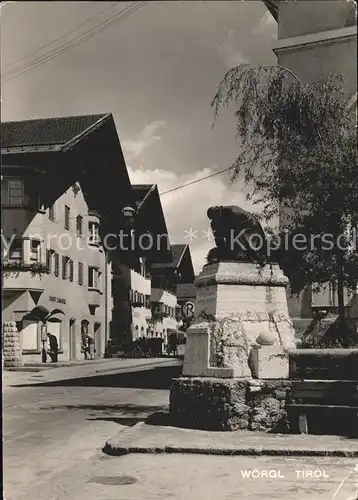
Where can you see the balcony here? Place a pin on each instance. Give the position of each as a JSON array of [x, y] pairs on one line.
[[24, 276], [94, 297]]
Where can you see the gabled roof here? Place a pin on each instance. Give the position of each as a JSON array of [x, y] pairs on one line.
[[150, 218], [142, 193], [48, 134], [178, 252]]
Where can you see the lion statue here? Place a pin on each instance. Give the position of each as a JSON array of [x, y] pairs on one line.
[[238, 236]]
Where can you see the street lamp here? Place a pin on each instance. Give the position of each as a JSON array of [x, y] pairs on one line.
[[129, 214]]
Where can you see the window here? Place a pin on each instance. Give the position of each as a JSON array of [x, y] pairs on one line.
[[15, 192], [67, 217], [80, 273], [49, 260], [93, 230], [92, 277], [35, 249], [15, 251], [51, 212], [79, 225], [56, 258], [147, 301], [70, 269], [99, 280], [65, 261]]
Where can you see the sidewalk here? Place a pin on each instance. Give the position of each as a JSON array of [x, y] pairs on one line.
[[96, 367], [143, 438], [38, 367]]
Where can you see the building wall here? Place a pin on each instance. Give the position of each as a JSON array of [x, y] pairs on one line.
[[73, 298], [316, 38], [140, 285], [317, 61], [168, 299], [313, 16]]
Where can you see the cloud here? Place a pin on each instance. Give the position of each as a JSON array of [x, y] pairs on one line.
[[230, 56], [267, 25], [134, 147], [185, 209]]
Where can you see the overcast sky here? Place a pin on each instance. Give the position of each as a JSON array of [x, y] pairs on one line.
[[157, 71]]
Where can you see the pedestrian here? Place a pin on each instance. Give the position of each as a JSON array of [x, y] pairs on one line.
[[53, 352], [90, 345], [173, 343]]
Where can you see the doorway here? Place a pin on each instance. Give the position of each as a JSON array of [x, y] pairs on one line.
[[73, 340], [98, 340]]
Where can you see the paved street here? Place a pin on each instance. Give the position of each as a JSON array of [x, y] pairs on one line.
[[53, 435], [51, 428]]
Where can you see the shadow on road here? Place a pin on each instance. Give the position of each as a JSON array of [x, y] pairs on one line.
[[123, 414], [155, 378]]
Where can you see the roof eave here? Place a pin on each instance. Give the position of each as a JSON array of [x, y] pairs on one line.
[[50, 148], [75, 140], [181, 256]]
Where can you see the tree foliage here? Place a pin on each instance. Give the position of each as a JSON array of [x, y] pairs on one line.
[[298, 155]]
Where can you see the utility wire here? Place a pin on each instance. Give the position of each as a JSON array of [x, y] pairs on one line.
[[209, 176], [182, 186], [62, 49], [102, 26], [39, 49]]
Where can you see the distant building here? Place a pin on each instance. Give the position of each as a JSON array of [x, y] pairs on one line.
[[316, 38], [64, 182], [169, 280], [132, 280]]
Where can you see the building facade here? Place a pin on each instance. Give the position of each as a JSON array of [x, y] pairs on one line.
[[53, 202], [168, 279], [315, 39]]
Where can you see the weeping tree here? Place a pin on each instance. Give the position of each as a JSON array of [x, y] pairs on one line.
[[298, 156]]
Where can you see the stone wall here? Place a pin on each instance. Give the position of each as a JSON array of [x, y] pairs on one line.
[[229, 404], [11, 345]]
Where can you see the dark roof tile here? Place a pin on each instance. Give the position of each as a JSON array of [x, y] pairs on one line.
[[45, 131], [177, 252]]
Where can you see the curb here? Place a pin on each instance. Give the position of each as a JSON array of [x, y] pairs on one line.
[[127, 369], [113, 450], [116, 450]]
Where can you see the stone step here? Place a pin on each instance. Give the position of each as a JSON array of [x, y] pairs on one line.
[[324, 392], [328, 364]]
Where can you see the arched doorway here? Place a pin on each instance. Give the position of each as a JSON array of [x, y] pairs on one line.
[[98, 340], [72, 340], [84, 332]]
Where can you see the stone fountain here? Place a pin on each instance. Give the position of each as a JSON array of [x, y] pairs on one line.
[[236, 367]]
